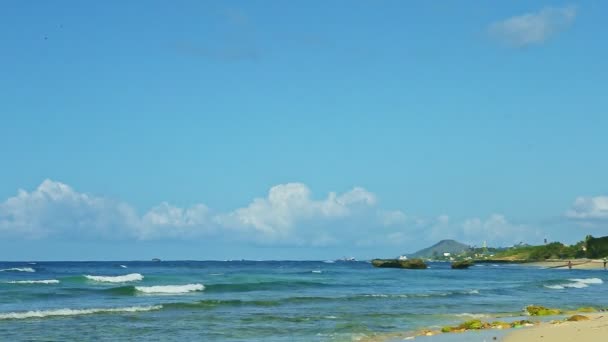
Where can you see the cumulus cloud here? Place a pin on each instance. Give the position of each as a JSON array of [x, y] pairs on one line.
[[276, 216], [589, 208], [55, 207], [533, 28], [496, 230], [288, 213]]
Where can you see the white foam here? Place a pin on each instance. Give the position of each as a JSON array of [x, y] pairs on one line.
[[18, 269], [116, 279], [588, 281], [170, 289], [123, 266], [75, 312], [576, 283], [49, 281], [316, 271]]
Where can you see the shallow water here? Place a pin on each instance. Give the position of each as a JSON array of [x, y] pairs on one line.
[[268, 300]]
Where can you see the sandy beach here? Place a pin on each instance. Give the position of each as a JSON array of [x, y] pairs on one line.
[[594, 329], [582, 264]]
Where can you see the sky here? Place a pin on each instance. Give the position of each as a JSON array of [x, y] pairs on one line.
[[298, 130]]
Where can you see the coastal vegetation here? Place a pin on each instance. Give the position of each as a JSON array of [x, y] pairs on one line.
[[531, 310], [453, 251]]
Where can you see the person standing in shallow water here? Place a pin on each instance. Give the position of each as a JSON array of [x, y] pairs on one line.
[[569, 264], [605, 261]]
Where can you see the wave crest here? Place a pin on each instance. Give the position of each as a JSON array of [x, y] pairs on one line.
[[18, 269], [576, 283], [75, 312], [170, 289], [116, 279], [49, 281]]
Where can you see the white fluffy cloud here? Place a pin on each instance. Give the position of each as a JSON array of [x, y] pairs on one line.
[[288, 213], [277, 215], [56, 208], [533, 28], [589, 208], [497, 230]]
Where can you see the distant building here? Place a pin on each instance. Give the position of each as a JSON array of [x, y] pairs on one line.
[[447, 254]]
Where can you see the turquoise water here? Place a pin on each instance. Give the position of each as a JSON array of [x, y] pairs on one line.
[[268, 300]]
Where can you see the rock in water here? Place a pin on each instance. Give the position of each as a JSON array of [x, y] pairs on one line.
[[462, 264], [396, 263], [537, 310]]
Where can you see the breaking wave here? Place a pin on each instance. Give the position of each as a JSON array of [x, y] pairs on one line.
[[75, 312], [170, 289], [49, 281], [575, 283], [18, 269], [116, 279]]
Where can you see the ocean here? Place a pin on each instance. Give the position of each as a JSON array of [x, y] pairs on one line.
[[269, 300]]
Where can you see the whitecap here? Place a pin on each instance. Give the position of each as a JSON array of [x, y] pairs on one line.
[[116, 279], [576, 283], [49, 281], [18, 269], [316, 271], [588, 281], [123, 266], [75, 312], [170, 289]]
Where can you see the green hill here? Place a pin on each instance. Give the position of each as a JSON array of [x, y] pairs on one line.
[[444, 246]]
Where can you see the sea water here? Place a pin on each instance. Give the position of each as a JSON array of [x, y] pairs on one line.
[[269, 300]]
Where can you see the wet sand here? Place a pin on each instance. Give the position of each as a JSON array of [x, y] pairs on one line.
[[593, 330]]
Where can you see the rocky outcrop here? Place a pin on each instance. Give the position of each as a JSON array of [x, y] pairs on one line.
[[462, 264], [396, 263], [537, 310], [576, 318]]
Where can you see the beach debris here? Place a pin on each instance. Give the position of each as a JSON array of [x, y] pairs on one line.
[[576, 318], [537, 310], [397, 263]]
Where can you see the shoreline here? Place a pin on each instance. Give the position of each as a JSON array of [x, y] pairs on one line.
[[578, 264], [558, 329], [593, 329]]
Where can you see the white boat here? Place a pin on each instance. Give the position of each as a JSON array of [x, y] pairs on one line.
[[347, 259]]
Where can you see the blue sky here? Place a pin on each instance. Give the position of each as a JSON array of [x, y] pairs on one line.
[[302, 130]]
